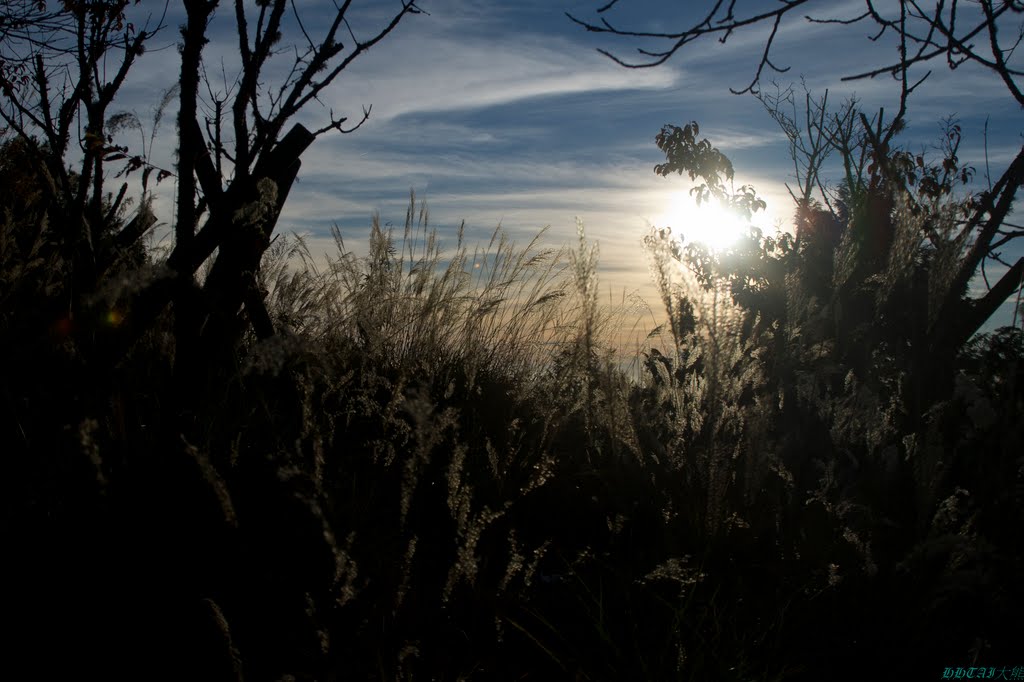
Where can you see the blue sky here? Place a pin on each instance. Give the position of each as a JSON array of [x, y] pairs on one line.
[[504, 112]]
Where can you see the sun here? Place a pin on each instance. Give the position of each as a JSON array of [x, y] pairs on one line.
[[711, 224]]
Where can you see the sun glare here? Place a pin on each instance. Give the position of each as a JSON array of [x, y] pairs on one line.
[[714, 226]]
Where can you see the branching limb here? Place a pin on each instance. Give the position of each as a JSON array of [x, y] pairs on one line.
[[925, 31]]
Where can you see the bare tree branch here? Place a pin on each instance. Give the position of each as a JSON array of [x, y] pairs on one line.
[[939, 29], [711, 25]]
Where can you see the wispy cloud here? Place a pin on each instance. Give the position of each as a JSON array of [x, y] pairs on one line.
[[504, 112], [439, 74]]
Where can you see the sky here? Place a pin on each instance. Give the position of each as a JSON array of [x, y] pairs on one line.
[[503, 112]]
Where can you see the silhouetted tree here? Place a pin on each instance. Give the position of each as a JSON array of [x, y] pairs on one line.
[[61, 71], [117, 369], [872, 272], [982, 33]]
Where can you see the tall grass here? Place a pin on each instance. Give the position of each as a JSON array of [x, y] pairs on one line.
[[437, 469], [410, 305]]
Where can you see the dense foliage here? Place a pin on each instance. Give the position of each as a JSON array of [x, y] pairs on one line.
[[436, 471]]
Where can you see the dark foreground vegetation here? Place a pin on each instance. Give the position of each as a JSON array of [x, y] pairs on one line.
[[235, 461], [436, 471]]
